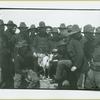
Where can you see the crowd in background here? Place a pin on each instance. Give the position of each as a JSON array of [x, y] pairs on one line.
[[64, 54]]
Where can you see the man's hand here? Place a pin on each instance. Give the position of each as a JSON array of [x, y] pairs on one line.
[[73, 68]]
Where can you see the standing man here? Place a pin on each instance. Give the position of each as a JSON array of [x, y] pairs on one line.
[[32, 35], [1, 36], [2, 27], [22, 35], [88, 41], [62, 30], [76, 54], [11, 28], [76, 62], [93, 75], [10, 32], [41, 43], [6, 62], [24, 61]]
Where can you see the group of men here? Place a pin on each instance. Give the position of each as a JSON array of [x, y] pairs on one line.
[[75, 61]]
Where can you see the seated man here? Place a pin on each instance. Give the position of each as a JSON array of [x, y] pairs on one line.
[[24, 61]]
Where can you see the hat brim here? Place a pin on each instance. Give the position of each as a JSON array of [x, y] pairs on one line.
[[2, 24], [32, 28], [21, 27], [61, 43], [62, 27], [71, 33], [14, 25]]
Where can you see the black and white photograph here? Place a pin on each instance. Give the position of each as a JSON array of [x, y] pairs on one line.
[[49, 48]]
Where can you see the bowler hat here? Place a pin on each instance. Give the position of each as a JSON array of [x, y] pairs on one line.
[[11, 23], [22, 25]]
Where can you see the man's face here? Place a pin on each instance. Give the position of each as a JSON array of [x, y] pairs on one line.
[[33, 31], [61, 29], [10, 27], [14, 29], [66, 39], [23, 29]]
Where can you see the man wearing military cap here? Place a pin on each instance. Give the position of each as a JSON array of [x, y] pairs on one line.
[[93, 75]]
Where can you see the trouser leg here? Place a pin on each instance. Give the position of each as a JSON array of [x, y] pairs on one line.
[[90, 82], [17, 80]]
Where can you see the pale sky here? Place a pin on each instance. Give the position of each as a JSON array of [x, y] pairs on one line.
[[51, 17]]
